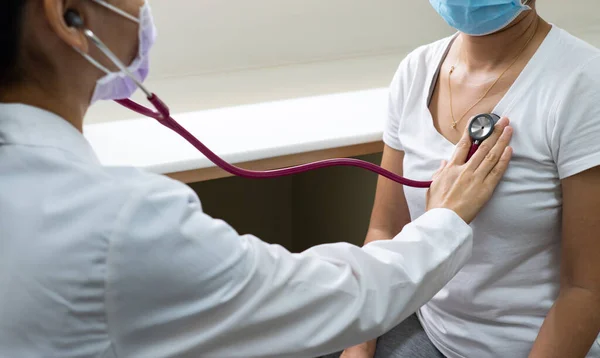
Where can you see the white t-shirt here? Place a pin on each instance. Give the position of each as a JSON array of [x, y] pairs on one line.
[[496, 305]]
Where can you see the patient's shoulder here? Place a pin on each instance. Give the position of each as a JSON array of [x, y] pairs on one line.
[[424, 55], [431, 50], [572, 66], [419, 64], [568, 53]]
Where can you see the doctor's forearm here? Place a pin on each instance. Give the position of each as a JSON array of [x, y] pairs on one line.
[[571, 327]]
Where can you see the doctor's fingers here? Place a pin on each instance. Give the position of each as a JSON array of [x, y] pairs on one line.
[[489, 160], [486, 152], [462, 149], [440, 170], [497, 172]]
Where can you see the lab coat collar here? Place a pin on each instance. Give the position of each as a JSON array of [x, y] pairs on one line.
[[31, 126]]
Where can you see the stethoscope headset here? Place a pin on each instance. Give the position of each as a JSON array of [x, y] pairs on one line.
[[480, 127]]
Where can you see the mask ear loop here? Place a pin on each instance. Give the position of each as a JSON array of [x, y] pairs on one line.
[[113, 58], [117, 10], [73, 19], [163, 112]]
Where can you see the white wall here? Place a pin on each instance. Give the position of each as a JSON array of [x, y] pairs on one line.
[[214, 53]]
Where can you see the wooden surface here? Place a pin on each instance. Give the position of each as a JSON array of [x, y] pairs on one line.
[[204, 174]]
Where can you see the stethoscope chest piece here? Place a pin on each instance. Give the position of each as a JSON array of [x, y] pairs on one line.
[[481, 126]]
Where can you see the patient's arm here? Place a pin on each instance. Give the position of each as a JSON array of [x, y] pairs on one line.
[[573, 323], [390, 214]]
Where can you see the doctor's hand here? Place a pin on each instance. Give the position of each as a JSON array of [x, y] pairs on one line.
[[465, 187]]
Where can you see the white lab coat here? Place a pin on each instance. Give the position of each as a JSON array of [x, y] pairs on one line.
[[114, 262]]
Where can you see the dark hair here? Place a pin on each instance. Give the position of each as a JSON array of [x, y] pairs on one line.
[[11, 18]]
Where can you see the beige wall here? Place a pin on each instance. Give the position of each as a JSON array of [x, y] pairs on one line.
[[214, 53]]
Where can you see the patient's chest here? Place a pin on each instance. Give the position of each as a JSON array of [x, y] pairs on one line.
[[526, 206]]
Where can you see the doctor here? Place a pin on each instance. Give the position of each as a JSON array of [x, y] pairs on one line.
[[113, 262]]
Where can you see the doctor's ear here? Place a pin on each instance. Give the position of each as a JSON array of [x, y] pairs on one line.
[[67, 22]]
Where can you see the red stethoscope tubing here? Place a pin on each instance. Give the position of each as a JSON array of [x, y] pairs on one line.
[[473, 149], [163, 116]]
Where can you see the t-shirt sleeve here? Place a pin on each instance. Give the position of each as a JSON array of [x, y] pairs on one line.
[[395, 94], [576, 134]]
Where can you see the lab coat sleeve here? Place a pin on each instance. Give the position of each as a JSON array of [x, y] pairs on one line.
[[180, 283]]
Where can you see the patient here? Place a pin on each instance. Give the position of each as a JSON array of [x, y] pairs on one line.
[[532, 285]]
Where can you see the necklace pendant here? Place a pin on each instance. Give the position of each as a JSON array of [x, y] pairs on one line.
[[453, 125]]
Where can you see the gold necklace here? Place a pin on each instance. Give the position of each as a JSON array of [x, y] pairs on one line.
[[454, 121]]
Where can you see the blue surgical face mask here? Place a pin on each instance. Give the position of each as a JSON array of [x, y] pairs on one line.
[[479, 17]]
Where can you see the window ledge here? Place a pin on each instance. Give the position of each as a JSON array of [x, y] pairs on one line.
[[258, 136]]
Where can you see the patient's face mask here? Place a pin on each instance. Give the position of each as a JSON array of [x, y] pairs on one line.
[[118, 85], [479, 17]]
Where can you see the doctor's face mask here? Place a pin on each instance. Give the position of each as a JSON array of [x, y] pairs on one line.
[[479, 17], [122, 84]]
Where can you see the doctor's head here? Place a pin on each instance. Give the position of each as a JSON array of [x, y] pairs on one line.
[[482, 17], [48, 56]]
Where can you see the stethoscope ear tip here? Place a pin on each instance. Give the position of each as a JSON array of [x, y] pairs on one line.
[[73, 19]]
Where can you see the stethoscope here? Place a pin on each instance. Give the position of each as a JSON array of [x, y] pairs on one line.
[[480, 128]]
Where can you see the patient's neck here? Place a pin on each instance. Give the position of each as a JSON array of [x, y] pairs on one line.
[[496, 50]]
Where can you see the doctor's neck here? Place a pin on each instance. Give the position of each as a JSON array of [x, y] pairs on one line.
[[37, 68], [65, 103], [495, 50]]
